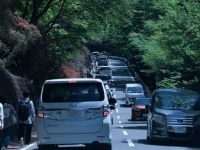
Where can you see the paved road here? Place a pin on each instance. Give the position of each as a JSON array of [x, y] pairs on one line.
[[127, 134]]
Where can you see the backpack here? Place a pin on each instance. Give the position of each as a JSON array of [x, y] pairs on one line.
[[23, 110]]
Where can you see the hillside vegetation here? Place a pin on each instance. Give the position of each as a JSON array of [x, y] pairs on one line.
[[42, 39]]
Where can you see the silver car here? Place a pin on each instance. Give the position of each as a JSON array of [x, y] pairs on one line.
[[74, 111]]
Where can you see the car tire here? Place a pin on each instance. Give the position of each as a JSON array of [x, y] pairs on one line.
[[132, 118], [150, 140], [89, 146]]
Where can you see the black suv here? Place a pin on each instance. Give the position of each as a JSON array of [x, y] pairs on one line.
[[174, 114]]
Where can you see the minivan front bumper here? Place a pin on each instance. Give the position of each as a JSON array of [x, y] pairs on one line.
[[174, 132]]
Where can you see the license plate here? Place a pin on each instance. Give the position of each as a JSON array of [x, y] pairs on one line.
[[180, 129]]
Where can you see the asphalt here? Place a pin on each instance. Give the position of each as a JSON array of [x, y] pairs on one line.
[[15, 145]]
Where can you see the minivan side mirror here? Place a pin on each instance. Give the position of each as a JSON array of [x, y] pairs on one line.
[[147, 107], [112, 101], [112, 107]]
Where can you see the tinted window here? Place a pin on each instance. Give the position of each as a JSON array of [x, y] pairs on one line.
[[72, 92], [102, 77], [177, 100], [136, 89], [142, 101], [105, 68]]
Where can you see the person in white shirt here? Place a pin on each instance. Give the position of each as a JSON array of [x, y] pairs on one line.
[[1, 121], [9, 112]]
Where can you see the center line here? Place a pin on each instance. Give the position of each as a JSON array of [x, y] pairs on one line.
[[117, 111], [125, 133], [130, 143]]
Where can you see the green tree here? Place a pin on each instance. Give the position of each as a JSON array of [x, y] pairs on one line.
[[170, 44]]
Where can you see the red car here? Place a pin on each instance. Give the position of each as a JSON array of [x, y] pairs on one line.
[[139, 108]]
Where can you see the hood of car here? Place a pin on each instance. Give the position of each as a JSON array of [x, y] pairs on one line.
[[139, 106], [178, 112]]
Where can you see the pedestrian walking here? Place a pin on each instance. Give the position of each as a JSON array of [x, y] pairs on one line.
[[1, 120], [26, 117], [9, 121]]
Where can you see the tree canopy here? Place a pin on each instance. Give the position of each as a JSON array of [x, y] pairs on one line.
[[160, 38]]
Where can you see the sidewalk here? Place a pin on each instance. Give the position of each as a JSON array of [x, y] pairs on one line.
[[14, 145]]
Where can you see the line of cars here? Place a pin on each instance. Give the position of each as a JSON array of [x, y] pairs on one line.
[[102, 70], [135, 97]]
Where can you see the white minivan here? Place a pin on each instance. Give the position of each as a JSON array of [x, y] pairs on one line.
[[133, 91], [74, 111]]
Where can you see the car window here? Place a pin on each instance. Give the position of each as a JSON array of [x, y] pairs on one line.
[[105, 68], [142, 101], [102, 77], [72, 92], [180, 101], [136, 89]]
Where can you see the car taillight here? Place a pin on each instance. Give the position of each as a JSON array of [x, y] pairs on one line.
[[40, 115], [105, 113]]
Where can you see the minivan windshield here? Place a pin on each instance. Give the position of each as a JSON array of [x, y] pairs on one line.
[[180, 101], [136, 89], [72, 92]]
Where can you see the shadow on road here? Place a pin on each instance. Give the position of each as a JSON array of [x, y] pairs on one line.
[[169, 143], [123, 105], [136, 127]]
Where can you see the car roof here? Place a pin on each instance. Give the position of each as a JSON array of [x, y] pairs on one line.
[[133, 84], [72, 80], [95, 52]]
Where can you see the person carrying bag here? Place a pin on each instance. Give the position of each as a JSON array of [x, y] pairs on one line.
[[9, 121], [26, 117]]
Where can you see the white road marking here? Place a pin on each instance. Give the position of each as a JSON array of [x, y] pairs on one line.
[[130, 143], [28, 146], [125, 133], [120, 122], [121, 126], [117, 111], [118, 117]]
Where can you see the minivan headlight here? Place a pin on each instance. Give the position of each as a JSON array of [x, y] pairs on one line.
[[159, 118]]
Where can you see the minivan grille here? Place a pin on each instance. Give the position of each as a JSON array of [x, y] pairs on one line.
[[180, 120]]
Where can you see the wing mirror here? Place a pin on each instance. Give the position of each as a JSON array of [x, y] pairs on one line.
[[148, 107], [112, 101], [112, 107]]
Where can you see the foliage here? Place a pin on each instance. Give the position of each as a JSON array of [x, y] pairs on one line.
[[37, 37], [170, 43]]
